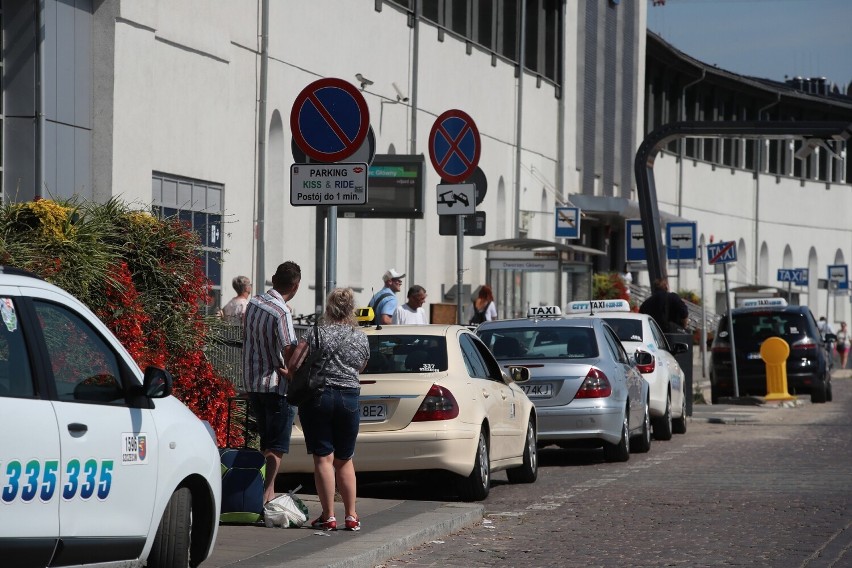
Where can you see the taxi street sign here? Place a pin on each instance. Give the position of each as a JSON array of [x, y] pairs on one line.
[[680, 241], [722, 252], [635, 245], [839, 274], [798, 276], [454, 146], [456, 199], [330, 120], [328, 184], [567, 222]]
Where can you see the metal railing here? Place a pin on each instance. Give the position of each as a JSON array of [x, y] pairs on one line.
[[225, 351]]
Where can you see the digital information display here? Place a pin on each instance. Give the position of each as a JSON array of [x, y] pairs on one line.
[[395, 189]]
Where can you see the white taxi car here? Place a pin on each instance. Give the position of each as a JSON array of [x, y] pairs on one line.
[[639, 332], [99, 465], [433, 398]]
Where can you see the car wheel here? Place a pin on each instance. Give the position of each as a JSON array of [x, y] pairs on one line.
[[828, 395], [818, 392], [642, 443], [475, 487], [171, 543], [663, 424], [528, 472], [679, 424], [619, 452]]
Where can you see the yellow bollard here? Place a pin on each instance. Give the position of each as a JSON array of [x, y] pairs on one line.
[[774, 353]]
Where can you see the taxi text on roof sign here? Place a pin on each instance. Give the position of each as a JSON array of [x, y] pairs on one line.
[[764, 303], [544, 312], [589, 306]]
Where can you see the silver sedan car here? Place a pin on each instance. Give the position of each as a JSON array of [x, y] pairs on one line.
[[585, 387]]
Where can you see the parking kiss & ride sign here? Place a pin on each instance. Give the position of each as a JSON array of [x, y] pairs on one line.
[[328, 184]]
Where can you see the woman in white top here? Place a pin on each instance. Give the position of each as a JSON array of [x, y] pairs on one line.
[[235, 310]]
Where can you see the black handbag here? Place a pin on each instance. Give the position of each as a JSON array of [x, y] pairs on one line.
[[308, 378]]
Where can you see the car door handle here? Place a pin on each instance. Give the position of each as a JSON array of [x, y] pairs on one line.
[[77, 428]]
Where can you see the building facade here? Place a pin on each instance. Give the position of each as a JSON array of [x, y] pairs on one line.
[[183, 107]]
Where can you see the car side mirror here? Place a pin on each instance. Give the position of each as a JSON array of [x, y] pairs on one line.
[[519, 374], [643, 357], [157, 383], [679, 348]]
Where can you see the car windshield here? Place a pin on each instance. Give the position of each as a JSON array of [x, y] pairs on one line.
[[406, 354], [626, 329], [541, 343]]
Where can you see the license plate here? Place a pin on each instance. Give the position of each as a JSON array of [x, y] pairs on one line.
[[537, 391], [373, 412], [752, 356]]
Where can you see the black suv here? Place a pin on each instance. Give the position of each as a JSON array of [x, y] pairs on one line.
[[808, 366]]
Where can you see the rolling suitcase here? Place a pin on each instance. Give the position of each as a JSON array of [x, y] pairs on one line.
[[242, 472]]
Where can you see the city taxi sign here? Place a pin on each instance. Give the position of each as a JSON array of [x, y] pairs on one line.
[[544, 312], [591, 306], [764, 303]]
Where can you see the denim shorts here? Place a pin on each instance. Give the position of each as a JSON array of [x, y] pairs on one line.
[[275, 419], [330, 421]]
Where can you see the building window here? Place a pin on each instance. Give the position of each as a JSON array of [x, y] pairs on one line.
[[197, 204]]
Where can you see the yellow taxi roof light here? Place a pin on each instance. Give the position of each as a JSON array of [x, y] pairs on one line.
[[364, 315]]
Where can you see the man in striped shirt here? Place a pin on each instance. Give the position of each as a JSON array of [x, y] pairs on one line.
[[268, 342]]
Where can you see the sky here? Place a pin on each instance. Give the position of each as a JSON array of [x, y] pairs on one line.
[[762, 38]]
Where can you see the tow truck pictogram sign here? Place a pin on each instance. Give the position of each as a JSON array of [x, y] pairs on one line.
[[456, 199]]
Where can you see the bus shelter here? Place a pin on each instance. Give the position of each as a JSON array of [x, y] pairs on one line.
[[534, 272]]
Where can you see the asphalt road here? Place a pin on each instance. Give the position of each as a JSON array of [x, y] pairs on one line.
[[745, 486]]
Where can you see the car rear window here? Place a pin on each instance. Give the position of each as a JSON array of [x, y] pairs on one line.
[[757, 326], [406, 354], [626, 329], [541, 343]]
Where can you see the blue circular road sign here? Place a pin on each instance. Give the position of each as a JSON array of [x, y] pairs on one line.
[[454, 146], [329, 120]]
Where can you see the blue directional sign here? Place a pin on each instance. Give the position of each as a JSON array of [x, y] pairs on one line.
[[454, 146], [329, 120], [635, 245], [839, 274], [798, 276], [722, 253], [568, 222], [680, 241]]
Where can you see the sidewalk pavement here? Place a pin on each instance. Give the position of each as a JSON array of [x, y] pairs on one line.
[[392, 527], [389, 528]]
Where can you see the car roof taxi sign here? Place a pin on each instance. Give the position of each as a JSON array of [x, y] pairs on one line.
[[544, 312], [764, 303], [591, 306]]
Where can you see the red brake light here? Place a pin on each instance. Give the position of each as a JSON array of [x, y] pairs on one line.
[[596, 385], [806, 343], [439, 404], [649, 368]]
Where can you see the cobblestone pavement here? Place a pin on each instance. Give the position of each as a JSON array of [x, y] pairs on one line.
[[772, 488]]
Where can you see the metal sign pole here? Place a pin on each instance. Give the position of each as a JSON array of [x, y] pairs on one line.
[[331, 258], [731, 333], [460, 262]]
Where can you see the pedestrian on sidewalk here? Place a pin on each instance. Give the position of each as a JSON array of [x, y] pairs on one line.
[[843, 344], [330, 419]]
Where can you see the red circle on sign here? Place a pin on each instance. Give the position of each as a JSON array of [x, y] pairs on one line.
[[454, 146], [329, 112]]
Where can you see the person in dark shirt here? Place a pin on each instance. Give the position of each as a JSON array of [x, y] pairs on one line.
[[667, 308]]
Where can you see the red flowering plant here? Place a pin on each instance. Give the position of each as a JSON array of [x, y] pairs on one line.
[[139, 274], [611, 286]]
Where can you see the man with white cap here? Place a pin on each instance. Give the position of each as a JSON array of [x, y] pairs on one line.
[[384, 301]]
